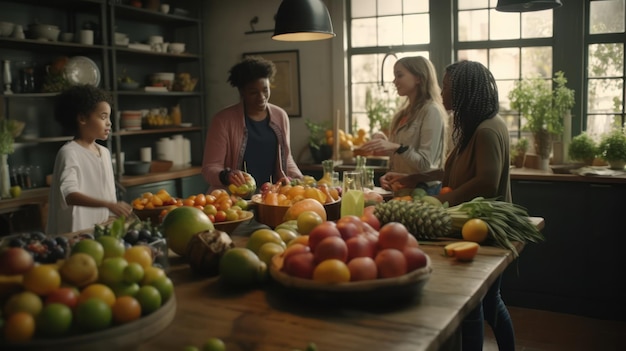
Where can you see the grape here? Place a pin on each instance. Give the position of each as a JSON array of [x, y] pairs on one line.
[[145, 234], [132, 236]]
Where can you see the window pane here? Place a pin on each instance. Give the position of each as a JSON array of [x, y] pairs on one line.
[[504, 25], [606, 60], [479, 55], [364, 32], [504, 63], [415, 6], [364, 68], [416, 29], [606, 16], [504, 87], [389, 31], [605, 96], [363, 8], [597, 125], [537, 24], [473, 25], [473, 4], [537, 62], [389, 7]]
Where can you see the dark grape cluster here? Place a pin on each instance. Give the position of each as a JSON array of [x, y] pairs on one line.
[[45, 249]]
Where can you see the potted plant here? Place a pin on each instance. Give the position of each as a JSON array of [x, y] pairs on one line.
[[543, 105], [583, 148], [518, 152], [612, 148], [9, 130], [320, 150], [379, 113]]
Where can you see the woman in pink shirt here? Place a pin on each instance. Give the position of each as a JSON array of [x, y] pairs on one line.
[[252, 135]]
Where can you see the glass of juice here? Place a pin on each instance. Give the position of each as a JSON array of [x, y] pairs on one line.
[[352, 202]]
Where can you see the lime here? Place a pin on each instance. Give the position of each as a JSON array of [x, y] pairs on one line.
[[23, 302], [93, 314], [213, 344], [165, 287], [240, 266], [133, 273], [113, 247], [268, 250], [125, 289], [149, 298], [151, 273], [91, 247], [308, 220], [54, 320], [111, 271]]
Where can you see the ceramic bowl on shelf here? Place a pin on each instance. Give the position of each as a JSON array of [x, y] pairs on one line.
[[44, 31], [136, 167], [128, 85], [176, 48], [6, 28], [165, 79]]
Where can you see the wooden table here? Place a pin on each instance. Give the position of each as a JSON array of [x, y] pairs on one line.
[[262, 318]]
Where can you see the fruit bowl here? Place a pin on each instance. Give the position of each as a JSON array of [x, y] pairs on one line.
[[273, 215], [230, 226], [122, 337], [367, 292], [153, 214]]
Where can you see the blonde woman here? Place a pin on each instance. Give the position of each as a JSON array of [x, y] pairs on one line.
[[417, 141]]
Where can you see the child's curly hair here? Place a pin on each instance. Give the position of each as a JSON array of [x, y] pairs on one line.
[[78, 100], [250, 69]]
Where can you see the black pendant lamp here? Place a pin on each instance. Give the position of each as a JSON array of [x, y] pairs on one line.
[[302, 20], [527, 5]]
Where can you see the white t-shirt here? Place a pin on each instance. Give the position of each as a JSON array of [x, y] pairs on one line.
[[77, 169]]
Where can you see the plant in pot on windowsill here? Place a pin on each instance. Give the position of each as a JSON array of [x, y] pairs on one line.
[[518, 153], [544, 106], [612, 148], [320, 150], [379, 113], [582, 148]]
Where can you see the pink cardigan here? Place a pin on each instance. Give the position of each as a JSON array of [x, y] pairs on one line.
[[226, 144]]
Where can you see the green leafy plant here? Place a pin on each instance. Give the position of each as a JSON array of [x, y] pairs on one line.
[[583, 148], [317, 132], [378, 111], [9, 130], [612, 146], [543, 104]]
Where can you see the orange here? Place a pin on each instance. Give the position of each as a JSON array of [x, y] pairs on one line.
[[445, 190], [42, 279], [331, 271], [475, 230], [19, 327], [126, 309], [139, 254], [200, 200], [305, 205], [98, 291], [93, 314], [295, 190], [188, 202]]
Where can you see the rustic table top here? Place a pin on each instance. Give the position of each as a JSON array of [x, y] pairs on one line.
[[267, 318]]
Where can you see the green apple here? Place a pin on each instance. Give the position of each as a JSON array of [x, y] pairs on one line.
[[91, 247], [15, 191]]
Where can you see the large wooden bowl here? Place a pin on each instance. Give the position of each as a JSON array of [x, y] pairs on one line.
[[273, 215], [124, 337], [367, 292], [153, 214], [230, 226]]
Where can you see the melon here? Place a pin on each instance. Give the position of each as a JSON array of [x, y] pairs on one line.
[[181, 224]]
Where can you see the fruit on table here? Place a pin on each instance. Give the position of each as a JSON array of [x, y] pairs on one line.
[[80, 269], [263, 236], [240, 266], [181, 224], [463, 251], [15, 260], [475, 230], [149, 200], [91, 247], [287, 194], [305, 205], [351, 250], [44, 249]]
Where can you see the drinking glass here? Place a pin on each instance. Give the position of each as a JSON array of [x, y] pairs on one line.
[[352, 202]]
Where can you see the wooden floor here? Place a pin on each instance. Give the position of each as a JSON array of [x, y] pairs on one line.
[[537, 330]]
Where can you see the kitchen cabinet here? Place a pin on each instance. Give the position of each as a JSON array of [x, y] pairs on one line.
[[42, 137], [579, 268]]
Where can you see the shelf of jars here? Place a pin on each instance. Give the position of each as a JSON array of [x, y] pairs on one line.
[[174, 16], [46, 46]]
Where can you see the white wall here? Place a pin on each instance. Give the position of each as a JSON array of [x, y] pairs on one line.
[[322, 88]]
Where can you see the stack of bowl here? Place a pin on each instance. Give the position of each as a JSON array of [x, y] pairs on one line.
[[131, 120], [44, 31]]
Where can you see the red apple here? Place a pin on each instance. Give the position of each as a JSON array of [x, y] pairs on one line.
[[412, 242], [15, 260], [329, 248], [360, 246], [300, 265], [295, 249], [362, 268], [348, 230], [415, 258], [321, 232], [66, 296], [391, 263]]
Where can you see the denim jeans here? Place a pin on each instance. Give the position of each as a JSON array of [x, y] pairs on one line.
[[430, 190], [493, 310]]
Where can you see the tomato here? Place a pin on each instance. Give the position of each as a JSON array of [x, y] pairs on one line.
[[445, 190]]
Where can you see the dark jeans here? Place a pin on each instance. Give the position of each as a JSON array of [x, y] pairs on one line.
[[430, 190], [493, 310]]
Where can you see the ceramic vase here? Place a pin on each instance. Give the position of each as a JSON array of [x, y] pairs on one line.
[[5, 180], [543, 147]]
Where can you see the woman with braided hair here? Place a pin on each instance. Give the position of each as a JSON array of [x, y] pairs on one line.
[[478, 165]]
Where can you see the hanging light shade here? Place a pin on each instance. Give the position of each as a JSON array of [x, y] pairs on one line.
[[527, 5], [302, 20]]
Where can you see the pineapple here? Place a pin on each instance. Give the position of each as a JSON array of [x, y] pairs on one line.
[[423, 220]]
